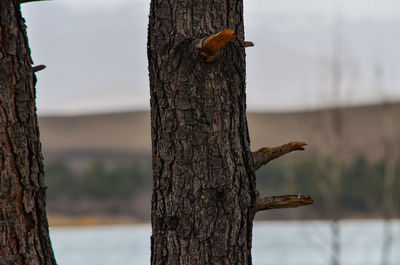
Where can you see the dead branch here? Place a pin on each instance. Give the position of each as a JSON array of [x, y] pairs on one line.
[[27, 1], [266, 154], [209, 46], [38, 68], [248, 44], [285, 201]]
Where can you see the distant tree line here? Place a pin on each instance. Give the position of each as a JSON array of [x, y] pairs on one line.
[[97, 180], [360, 194]]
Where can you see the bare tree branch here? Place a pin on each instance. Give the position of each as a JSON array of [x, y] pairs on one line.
[[209, 46], [266, 154], [285, 201]]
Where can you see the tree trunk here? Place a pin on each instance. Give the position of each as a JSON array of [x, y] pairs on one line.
[[24, 235], [204, 194]]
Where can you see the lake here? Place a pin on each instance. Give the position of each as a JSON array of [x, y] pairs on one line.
[[274, 243]]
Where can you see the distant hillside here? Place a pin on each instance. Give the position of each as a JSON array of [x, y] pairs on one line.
[[104, 160], [129, 132]]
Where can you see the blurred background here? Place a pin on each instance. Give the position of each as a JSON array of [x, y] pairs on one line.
[[323, 72]]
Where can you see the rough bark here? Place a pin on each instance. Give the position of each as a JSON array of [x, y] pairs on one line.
[[204, 196], [204, 189], [24, 235]]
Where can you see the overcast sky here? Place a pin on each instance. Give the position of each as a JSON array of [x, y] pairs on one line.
[[95, 53]]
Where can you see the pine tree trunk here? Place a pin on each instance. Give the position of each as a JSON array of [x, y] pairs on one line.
[[204, 196], [24, 235]]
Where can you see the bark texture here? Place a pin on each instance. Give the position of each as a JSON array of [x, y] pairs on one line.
[[24, 235], [204, 196]]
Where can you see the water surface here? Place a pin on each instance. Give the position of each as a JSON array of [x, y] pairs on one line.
[[274, 243]]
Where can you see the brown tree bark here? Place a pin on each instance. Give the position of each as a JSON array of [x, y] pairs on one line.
[[24, 235], [204, 192]]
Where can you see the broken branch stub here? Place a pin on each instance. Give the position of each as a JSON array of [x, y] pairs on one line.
[[266, 154], [285, 201], [248, 44], [27, 1], [38, 68], [209, 46]]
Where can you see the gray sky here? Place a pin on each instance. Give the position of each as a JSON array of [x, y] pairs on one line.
[[95, 52]]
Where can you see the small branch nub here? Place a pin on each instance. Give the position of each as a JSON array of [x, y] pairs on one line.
[[38, 68], [248, 44], [27, 1]]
